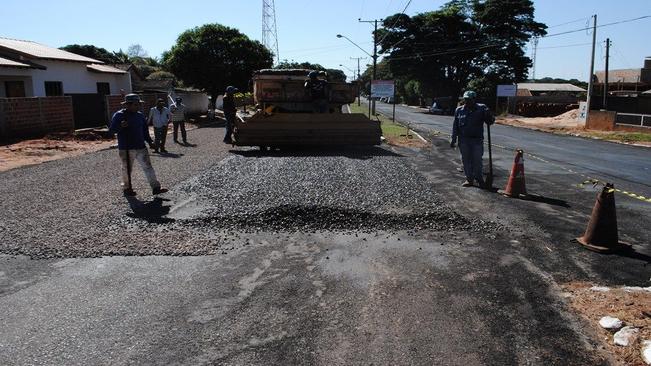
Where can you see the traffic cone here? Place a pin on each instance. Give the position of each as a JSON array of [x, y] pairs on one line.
[[516, 186], [601, 234]]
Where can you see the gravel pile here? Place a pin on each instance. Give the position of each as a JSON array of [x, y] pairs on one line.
[[222, 198]]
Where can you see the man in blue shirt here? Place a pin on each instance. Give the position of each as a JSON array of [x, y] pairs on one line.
[[131, 127], [468, 129]]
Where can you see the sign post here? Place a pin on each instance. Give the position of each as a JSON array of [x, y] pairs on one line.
[[384, 88], [507, 90]]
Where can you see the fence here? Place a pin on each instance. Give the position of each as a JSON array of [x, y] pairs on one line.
[[35, 117], [636, 120]]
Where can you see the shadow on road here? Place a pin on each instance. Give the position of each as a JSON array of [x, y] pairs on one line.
[[349, 152], [153, 211], [170, 155], [547, 200]]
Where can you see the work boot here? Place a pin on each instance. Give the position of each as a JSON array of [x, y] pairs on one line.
[[159, 190], [163, 151], [129, 192], [467, 183]]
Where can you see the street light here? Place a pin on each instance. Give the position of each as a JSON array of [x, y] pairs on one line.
[[374, 57]]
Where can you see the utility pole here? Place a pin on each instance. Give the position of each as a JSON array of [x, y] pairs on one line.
[[359, 102], [374, 64], [590, 82], [535, 52], [605, 102]]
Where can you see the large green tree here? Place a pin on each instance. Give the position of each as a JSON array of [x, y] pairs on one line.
[[478, 41], [91, 51], [333, 74], [214, 56]]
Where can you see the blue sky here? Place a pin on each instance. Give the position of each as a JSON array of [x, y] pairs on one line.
[[307, 29]]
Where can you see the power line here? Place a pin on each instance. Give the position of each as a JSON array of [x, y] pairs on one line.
[[564, 46], [570, 22], [396, 22], [449, 52], [598, 26]]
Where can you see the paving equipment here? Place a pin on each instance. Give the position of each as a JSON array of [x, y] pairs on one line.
[[285, 117]]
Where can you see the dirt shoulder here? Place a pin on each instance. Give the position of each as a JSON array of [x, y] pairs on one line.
[[568, 124]]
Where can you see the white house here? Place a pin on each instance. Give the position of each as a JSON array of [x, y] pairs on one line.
[[30, 69]]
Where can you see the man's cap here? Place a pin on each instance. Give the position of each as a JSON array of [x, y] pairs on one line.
[[231, 89], [160, 100], [313, 74], [132, 98], [179, 99], [469, 95]]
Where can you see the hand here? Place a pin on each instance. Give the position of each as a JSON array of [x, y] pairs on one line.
[[452, 144], [124, 123]]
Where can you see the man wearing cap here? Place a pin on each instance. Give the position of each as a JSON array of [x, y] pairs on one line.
[[131, 127], [230, 113], [159, 116], [468, 129], [318, 90], [178, 120]]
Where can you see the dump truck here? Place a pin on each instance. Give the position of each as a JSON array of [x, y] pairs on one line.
[[284, 115]]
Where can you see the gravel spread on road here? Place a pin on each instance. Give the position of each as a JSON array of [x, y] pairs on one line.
[[217, 204]]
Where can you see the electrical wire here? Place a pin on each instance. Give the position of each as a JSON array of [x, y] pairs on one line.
[[449, 52], [396, 22], [570, 22], [598, 26], [565, 46]]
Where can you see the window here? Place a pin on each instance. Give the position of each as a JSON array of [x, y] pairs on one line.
[[103, 88], [53, 88], [15, 89]]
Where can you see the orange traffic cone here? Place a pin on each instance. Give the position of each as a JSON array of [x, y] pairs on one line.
[[516, 186], [601, 234]]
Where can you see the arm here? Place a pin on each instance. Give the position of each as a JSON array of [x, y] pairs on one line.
[[489, 117], [145, 133], [150, 119], [116, 122], [455, 130]]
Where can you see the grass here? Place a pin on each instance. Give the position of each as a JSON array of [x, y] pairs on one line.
[[620, 136], [394, 132]]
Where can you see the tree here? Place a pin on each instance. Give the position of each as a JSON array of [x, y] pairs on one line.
[[160, 75], [91, 51], [464, 40], [214, 56], [121, 57], [136, 51], [333, 74]]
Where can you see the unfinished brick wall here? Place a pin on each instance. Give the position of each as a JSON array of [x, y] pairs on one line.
[[114, 102], [35, 117]]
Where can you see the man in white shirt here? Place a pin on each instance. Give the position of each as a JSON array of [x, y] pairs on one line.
[[159, 116], [178, 120]]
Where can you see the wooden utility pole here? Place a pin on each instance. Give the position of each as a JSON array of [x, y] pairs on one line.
[[590, 81], [605, 102], [359, 103]]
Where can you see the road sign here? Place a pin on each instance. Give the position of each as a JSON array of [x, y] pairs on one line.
[[382, 88], [583, 112], [507, 90]]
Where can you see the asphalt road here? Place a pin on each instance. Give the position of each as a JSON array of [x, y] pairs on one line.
[[628, 167], [403, 267]]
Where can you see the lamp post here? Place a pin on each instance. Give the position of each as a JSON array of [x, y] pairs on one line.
[[374, 57]]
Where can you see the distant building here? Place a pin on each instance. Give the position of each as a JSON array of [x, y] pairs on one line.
[[548, 89], [30, 69], [625, 81]]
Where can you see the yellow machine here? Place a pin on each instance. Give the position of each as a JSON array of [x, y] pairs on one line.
[[285, 118]]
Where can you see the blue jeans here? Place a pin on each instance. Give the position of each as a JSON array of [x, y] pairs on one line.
[[472, 151]]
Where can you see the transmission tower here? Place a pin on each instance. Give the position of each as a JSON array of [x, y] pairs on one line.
[[535, 54], [269, 30]]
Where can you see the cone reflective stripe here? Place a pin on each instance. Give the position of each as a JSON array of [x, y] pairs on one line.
[[601, 234], [516, 186]]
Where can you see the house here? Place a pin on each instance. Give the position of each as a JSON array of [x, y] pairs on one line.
[[30, 69]]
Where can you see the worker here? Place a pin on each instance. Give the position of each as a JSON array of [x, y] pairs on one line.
[[132, 130], [468, 129], [159, 116], [230, 113], [178, 120], [318, 90]]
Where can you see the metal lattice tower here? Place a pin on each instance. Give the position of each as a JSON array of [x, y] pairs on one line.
[[269, 30]]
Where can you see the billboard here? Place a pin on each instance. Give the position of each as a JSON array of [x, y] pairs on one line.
[[382, 88], [507, 90]]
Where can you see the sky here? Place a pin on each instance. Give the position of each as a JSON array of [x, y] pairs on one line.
[[307, 29]]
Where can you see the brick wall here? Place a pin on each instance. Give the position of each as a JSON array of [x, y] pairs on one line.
[[35, 117], [113, 102]]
